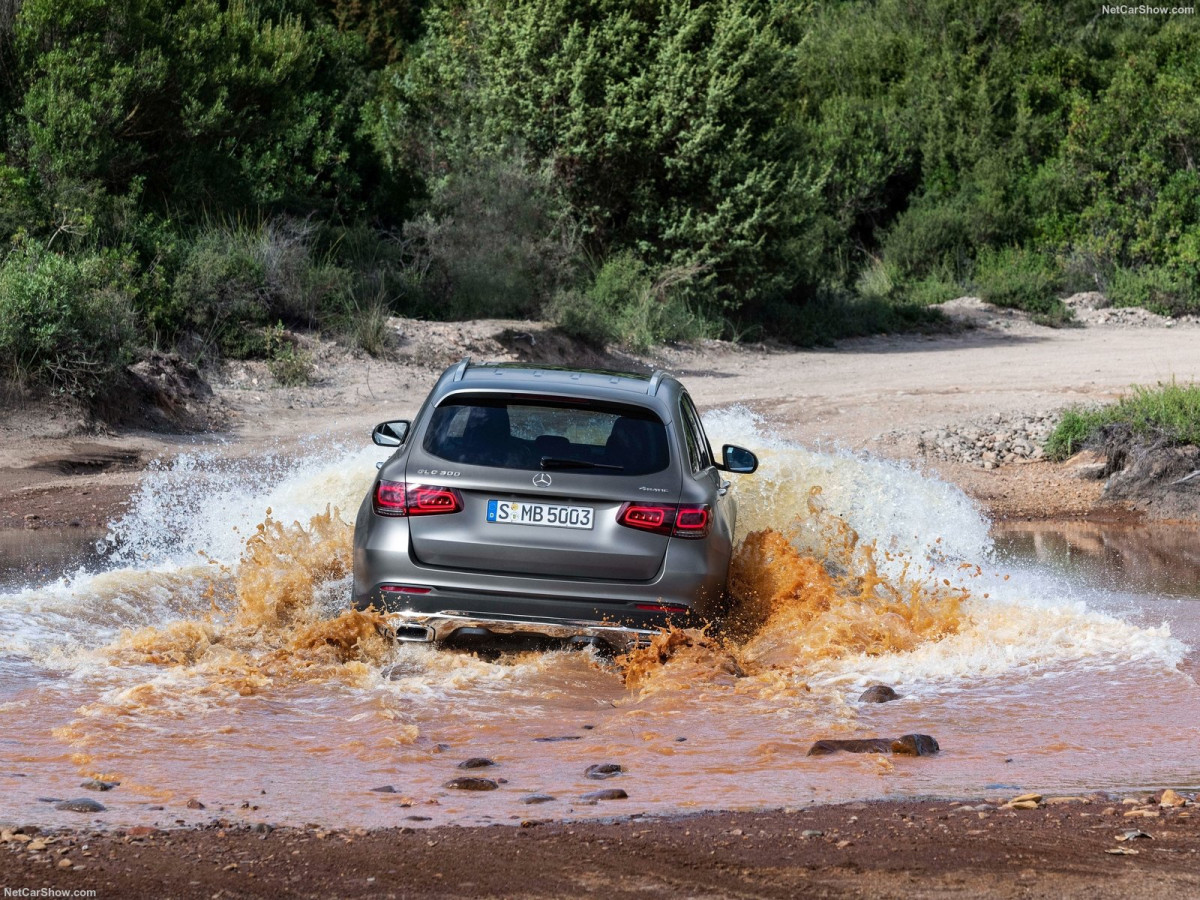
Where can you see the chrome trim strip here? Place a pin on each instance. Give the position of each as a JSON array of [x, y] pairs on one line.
[[441, 625]]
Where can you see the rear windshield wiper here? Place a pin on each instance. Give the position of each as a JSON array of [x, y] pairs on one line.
[[555, 462]]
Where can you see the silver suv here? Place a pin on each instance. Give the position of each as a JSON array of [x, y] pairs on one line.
[[547, 503]]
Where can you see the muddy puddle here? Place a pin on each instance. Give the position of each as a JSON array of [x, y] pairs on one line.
[[207, 657]]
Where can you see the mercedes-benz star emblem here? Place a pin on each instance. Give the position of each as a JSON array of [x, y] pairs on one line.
[[541, 479]]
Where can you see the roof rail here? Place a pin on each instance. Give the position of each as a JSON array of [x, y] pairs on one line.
[[461, 369], [655, 379]]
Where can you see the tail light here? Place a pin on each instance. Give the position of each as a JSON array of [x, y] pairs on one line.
[[398, 498], [670, 519], [405, 589]]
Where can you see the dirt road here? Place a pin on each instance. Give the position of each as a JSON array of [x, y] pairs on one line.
[[875, 394]]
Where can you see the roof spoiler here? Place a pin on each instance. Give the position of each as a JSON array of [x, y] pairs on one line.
[[461, 369], [655, 380]]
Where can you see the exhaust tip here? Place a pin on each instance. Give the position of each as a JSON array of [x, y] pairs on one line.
[[414, 633]]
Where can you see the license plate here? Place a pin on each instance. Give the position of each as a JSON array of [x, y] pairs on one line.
[[511, 512]]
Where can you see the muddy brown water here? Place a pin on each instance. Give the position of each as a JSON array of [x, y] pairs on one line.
[[208, 656]]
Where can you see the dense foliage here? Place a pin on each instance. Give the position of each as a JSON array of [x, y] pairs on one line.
[[204, 173]]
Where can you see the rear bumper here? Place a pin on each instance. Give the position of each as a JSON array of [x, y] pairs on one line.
[[438, 627]]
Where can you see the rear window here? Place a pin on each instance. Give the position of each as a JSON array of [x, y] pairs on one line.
[[603, 438]]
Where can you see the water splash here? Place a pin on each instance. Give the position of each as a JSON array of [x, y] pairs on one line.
[[218, 638]]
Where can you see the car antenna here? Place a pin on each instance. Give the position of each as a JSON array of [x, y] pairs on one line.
[[461, 369]]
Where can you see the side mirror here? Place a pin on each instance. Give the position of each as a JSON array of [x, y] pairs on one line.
[[738, 459], [391, 434]]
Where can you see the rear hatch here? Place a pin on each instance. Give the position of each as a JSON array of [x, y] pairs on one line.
[[542, 482]]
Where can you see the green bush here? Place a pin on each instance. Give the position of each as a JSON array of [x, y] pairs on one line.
[[65, 323], [833, 313], [495, 240], [666, 125], [627, 303], [1168, 411], [1019, 279], [289, 364], [235, 278], [930, 291], [1155, 288]]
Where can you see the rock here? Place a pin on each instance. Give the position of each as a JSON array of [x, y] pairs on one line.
[[384, 789], [878, 693], [476, 762], [554, 740], [1164, 481], [811, 833], [1065, 801], [1133, 835], [915, 745], [1170, 799], [600, 771], [606, 794], [867, 745], [1021, 804], [142, 831], [471, 784], [96, 784], [906, 745], [65, 863], [80, 805], [195, 804], [531, 799], [1036, 798]]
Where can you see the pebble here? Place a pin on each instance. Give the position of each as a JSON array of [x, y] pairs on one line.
[[536, 798], [812, 833], [606, 794], [555, 740], [471, 784], [600, 771], [1021, 798], [476, 762], [81, 805], [1133, 835], [95, 784], [195, 804], [65, 863], [384, 789], [992, 442]]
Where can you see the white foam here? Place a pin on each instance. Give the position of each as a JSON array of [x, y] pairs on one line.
[[184, 517], [202, 503]]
